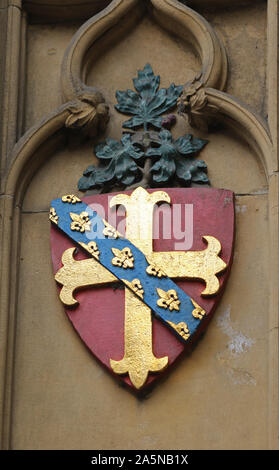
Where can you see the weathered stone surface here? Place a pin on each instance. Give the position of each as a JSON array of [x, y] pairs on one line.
[[61, 398], [46, 47]]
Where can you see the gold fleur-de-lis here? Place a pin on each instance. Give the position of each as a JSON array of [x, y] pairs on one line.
[[110, 231], [181, 328], [53, 217], [70, 199], [154, 270], [168, 299], [123, 258], [80, 222], [92, 248], [198, 312], [135, 286]]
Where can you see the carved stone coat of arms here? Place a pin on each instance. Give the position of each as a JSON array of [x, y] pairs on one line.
[[142, 260]]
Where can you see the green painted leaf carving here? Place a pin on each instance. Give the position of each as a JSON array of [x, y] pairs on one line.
[[177, 158], [122, 163], [149, 103], [121, 167]]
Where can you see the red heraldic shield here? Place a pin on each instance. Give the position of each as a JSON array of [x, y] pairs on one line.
[[99, 315]]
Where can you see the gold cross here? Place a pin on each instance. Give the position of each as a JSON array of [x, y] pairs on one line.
[[138, 358]]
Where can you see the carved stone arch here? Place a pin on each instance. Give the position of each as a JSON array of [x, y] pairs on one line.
[[182, 21], [80, 96], [214, 71]]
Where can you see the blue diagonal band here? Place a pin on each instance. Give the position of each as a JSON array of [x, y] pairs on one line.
[[149, 283]]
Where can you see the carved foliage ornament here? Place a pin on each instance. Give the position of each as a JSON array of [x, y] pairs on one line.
[[148, 154], [89, 113]]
